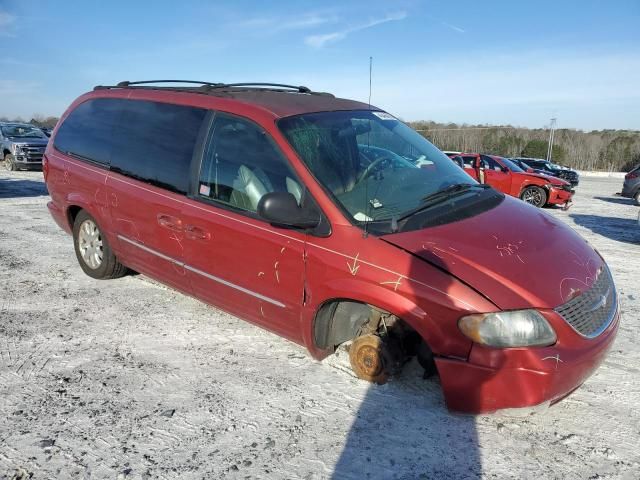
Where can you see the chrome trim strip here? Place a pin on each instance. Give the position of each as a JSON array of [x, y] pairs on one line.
[[233, 285], [151, 251], [204, 274]]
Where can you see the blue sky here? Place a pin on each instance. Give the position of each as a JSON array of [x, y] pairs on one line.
[[495, 62]]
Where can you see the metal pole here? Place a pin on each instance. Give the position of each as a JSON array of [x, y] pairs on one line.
[[551, 133]]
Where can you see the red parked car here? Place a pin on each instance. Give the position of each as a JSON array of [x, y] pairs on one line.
[[309, 216], [506, 176]]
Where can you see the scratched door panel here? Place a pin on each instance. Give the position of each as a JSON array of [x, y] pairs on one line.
[[147, 223], [246, 267]]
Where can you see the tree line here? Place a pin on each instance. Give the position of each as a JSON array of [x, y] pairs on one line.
[[607, 150], [37, 120]]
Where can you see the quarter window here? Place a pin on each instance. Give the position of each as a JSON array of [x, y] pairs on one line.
[[87, 130], [241, 163]]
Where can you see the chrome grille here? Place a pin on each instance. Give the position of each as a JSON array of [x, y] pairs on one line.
[[591, 312], [33, 152]]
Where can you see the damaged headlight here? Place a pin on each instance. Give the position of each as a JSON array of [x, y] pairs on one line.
[[17, 149], [518, 328]]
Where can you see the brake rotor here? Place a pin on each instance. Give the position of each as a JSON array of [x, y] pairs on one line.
[[369, 358]]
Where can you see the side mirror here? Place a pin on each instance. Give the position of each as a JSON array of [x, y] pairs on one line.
[[281, 208]]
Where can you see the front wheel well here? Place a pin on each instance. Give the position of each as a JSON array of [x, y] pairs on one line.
[[341, 320]]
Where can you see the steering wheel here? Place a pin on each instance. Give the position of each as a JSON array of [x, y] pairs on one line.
[[370, 168]]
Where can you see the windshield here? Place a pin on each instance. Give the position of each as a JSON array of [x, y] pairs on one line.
[[376, 167], [22, 131], [512, 165]]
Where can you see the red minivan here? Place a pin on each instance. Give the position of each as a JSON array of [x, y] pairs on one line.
[[308, 215]]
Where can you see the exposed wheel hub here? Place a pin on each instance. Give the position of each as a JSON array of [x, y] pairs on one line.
[[369, 358]]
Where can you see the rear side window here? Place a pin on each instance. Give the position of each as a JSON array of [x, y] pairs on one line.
[[154, 142], [87, 130]]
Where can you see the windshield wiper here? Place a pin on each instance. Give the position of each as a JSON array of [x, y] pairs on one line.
[[442, 195]]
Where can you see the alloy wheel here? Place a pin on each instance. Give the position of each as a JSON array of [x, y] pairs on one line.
[[90, 244]]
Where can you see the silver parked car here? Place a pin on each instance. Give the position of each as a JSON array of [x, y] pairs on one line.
[[631, 186]]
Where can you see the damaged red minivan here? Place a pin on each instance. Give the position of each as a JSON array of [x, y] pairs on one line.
[[330, 222]]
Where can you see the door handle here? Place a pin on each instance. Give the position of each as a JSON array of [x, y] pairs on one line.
[[170, 222], [196, 233]]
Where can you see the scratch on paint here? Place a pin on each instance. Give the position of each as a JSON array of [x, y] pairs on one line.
[[395, 283], [275, 267], [509, 249], [590, 273], [261, 311], [355, 267], [431, 246], [282, 250], [173, 236], [556, 358], [260, 274]]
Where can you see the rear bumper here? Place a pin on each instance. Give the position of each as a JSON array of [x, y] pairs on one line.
[[629, 189], [59, 216], [518, 378], [559, 197]]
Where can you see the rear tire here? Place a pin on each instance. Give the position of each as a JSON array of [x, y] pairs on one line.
[[9, 162], [534, 195], [637, 198], [93, 251]]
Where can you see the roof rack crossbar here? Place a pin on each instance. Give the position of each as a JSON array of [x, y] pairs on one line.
[[210, 85], [126, 83], [299, 88]]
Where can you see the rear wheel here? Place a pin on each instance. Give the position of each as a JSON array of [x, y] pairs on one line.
[[93, 251], [9, 162], [534, 195], [637, 198]]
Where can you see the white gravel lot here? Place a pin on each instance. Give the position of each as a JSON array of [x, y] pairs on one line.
[[129, 379]]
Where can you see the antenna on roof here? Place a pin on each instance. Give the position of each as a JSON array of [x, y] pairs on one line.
[[366, 185], [370, 70]]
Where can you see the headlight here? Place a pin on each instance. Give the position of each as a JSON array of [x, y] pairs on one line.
[[518, 328], [17, 149]]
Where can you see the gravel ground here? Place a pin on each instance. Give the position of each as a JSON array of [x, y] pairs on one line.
[[129, 379]]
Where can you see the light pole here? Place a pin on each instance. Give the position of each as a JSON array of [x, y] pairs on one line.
[[551, 133]]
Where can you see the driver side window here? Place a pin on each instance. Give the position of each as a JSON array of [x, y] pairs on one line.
[[490, 164], [241, 163]]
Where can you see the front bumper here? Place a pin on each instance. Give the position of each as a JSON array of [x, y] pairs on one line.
[[516, 378], [28, 161], [558, 196]]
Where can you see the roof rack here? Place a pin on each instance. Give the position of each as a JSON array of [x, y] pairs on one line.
[[208, 86]]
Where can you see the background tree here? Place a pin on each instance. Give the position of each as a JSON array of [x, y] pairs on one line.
[[612, 150]]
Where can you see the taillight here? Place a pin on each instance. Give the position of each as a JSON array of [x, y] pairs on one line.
[[45, 167], [631, 175]]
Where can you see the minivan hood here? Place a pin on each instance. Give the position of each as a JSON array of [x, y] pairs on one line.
[[515, 255]]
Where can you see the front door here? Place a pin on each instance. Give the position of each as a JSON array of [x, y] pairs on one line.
[[495, 174], [234, 259]]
